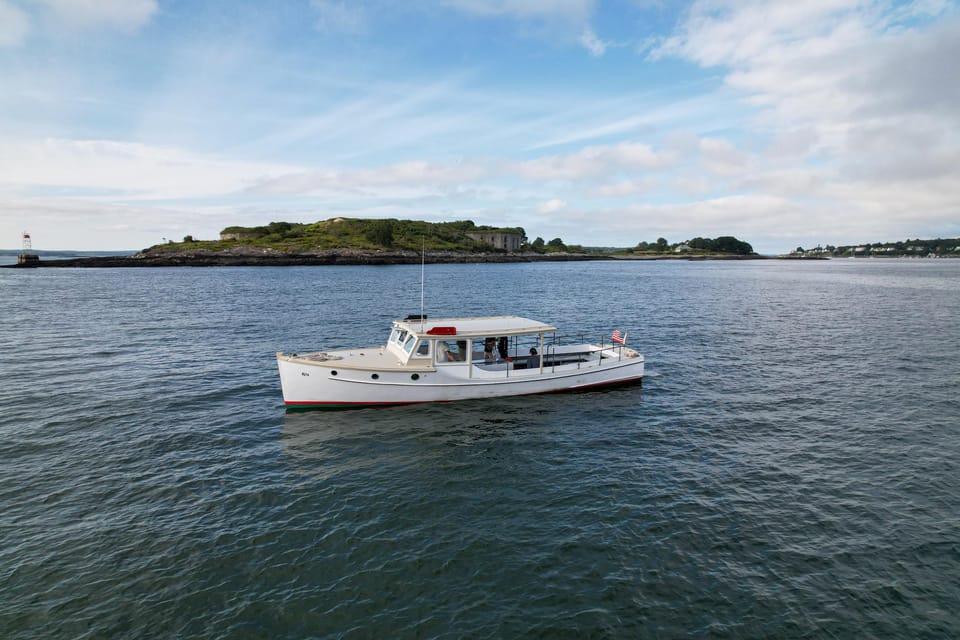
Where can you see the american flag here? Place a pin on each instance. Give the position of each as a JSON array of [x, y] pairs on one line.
[[619, 336]]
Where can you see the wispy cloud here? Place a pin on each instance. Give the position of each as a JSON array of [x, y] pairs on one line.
[[123, 15], [523, 9], [592, 161], [14, 25], [130, 171], [592, 43], [339, 17], [550, 206]]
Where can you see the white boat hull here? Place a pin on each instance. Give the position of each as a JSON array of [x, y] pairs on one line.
[[325, 381]]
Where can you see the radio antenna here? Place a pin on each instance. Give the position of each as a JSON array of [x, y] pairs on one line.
[[423, 252]]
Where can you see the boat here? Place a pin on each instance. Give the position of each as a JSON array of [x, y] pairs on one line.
[[450, 359]]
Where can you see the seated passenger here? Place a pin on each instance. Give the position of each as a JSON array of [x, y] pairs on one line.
[[533, 360], [461, 354], [443, 352]]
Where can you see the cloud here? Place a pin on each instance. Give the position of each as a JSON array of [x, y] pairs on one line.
[[339, 17], [719, 32], [415, 176], [588, 163], [121, 170], [550, 206], [563, 21], [856, 100], [122, 15], [523, 9], [721, 157], [592, 43], [14, 25], [624, 188], [592, 161], [823, 63]]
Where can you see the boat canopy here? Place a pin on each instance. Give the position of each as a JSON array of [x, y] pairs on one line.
[[475, 327]]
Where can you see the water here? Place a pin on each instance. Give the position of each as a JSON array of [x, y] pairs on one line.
[[9, 256], [789, 469]]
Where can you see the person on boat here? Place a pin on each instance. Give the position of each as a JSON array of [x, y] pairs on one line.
[[489, 356], [502, 347], [533, 360], [443, 352], [461, 354]]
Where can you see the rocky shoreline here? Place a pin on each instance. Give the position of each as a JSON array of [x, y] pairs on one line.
[[256, 257], [251, 257]]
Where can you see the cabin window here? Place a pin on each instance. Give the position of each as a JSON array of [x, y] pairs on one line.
[[451, 351], [423, 349], [408, 345], [398, 335]]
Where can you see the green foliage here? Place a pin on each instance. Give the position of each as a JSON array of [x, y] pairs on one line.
[[723, 244], [380, 232], [349, 233]]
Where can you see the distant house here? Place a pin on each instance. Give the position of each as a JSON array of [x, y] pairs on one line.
[[508, 240], [682, 248]]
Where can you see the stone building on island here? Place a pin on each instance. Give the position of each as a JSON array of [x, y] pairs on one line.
[[508, 240]]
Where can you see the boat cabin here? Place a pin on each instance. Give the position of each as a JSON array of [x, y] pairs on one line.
[[493, 343]]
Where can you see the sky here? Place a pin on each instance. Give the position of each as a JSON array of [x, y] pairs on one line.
[[605, 123]]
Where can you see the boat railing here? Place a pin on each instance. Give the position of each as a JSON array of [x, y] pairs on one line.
[[585, 355], [617, 347]]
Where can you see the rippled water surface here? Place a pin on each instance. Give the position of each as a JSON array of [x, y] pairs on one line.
[[790, 468]]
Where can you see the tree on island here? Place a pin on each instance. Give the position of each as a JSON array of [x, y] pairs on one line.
[[723, 244], [380, 232]]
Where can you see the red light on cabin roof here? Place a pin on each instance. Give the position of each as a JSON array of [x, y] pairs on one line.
[[442, 331]]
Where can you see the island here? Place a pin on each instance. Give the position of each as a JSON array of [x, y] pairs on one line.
[[362, 241]]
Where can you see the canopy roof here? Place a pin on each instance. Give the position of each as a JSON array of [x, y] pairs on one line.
[[490, 326]]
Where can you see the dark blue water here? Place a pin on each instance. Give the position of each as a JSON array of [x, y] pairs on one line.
[[789, 470]]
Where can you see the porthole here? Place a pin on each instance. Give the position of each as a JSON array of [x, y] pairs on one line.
[[375, 376], [415, 376], [333, 373]]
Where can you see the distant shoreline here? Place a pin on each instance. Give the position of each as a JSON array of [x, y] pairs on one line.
[[346, 257]]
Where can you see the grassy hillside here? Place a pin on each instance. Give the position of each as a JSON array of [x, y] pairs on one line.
[[347, 233]]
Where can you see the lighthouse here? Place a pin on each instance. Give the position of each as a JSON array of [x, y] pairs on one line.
[[27, 258]]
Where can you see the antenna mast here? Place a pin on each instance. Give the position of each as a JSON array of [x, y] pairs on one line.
[[423, 251]]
